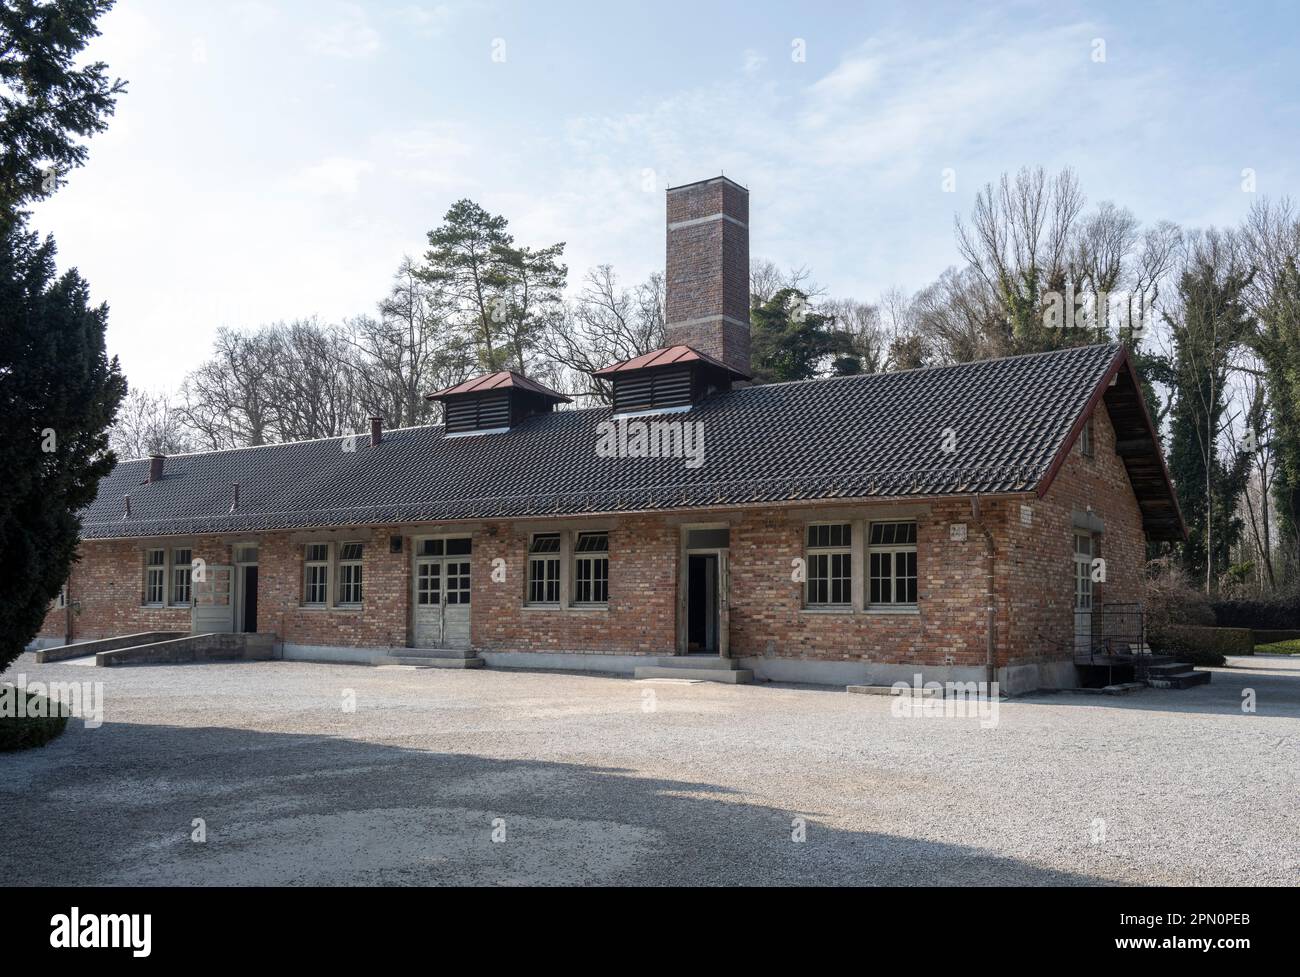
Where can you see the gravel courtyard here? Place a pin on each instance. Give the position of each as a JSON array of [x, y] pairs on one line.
[[596, 780]]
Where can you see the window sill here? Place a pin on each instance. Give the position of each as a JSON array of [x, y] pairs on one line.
[[543, 607], [907, 610], [587, 607], [830, 609]]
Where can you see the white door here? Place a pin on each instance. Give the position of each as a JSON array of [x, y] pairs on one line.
[[214, 608], [1082, 593], [428, 603], [441, 593], [724, 605], [455, 603]]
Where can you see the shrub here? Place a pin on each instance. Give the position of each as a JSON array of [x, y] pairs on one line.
[[1280, 613], [1169, 598], [1204, 646], [43, 719]]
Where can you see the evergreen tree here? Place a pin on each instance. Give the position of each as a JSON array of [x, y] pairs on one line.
[[58, 394], [58, 388], [789, 341], [1278, 345], [465, 258], [1211, 323], [48, 106]]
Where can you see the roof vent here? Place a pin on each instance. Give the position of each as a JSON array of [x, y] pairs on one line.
[[494, 402], [127, 513], [665, 379], [234, 496]]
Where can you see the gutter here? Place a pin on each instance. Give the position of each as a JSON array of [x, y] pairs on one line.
[[990, 592]]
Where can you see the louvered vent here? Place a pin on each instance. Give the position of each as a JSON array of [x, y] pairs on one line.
[[652, 390], [478, 413]]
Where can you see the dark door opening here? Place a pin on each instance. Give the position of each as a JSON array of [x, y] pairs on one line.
[[702, 603], [250, 599]]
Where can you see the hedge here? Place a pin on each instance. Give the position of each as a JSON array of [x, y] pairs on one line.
[[1282, 614], [1201, 645], [1271, 637], [27, 731]]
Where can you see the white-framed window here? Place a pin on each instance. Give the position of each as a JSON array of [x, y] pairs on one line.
[[829, 557], [155, 576], [544, 569], [316, 574], [182, 573], [1085, 439], [350, 572], [591, 568], [891, 563]]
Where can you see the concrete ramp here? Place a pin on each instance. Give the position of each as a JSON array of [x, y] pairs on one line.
[[224, 646], [81, 649]]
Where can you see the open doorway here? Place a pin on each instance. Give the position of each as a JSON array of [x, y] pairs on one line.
[[250, 600], [246, 589], [702, 604]]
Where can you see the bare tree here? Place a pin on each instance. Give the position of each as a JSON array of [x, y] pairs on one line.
[[1018, 242], [313, 382], [862, 324], [606, 324], [229, 400], [415, 347], [766, 278], [148, 423]]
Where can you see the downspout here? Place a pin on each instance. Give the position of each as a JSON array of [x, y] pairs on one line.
[[990, 593]]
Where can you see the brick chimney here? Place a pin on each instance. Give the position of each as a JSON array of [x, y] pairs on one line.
[[707, 271], [156, 462]]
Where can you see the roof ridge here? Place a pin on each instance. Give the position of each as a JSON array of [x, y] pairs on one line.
[[947, 366]]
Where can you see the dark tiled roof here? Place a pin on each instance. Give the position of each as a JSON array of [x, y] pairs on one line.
[[878, 435], [501, 380], [667, 356]]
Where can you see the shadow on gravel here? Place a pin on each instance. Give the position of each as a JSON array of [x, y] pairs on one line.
[[117, 805]]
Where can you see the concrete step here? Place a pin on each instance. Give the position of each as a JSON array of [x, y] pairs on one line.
[[1180, 680], [438, 653], [728, 676], [706, 662], [431, 661], [1168, 668]]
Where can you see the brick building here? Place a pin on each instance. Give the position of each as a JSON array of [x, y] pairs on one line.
[[852, 529]]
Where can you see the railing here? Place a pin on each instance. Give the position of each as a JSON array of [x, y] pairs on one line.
[[1117, 637]]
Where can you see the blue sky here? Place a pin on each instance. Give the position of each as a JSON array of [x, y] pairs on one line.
[[276, 160]]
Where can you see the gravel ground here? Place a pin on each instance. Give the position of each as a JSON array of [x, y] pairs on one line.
[[605, 780]]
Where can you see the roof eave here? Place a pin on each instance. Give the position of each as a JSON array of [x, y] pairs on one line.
[[1121, 361]]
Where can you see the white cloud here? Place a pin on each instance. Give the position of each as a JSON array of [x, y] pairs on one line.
[[426, 19], [348, 35], [335, 175]]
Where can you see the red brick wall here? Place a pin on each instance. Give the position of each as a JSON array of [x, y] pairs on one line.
[[107, 584], [1042, 555], [640, 619], [1034, 584], [767, 616]]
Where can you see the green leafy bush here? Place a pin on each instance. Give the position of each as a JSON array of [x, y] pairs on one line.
[[41, 722]]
